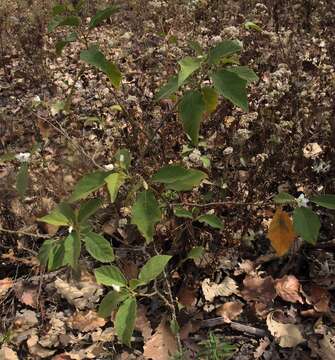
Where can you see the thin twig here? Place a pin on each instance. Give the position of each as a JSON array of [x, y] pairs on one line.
[[218, 203], [21, 233]]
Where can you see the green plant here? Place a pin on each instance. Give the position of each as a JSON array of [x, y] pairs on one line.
[[306, 222], [215, 348]]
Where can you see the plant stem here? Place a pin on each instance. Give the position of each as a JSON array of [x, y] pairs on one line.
[[20, 232]]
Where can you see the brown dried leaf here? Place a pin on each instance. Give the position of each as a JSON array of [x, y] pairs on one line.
[[142, 323], [319, 298], [259, 289], [5, 285], [226, 288], [288, 335], [230, 310], [37, 350], [6, 353], [288, 288], [187, 297], [27, 294], [281, 232], [263, 344], [162, 345], [86, 322]]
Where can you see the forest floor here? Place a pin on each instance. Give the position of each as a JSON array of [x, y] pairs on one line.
[[240, 291]]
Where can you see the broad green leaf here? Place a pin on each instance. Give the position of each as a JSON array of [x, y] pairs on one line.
[[102, 15], [249, 25], [284, 198], [63, 21], [97, 59], [88, 208], [183, 213], [45, 251], [123, 158], [99, 247], [145, 214], [211, 220], [56, 217], [211, 99], [244, 72], [22, 180], [188, 66], [68, 212], [177, 178], [134, 283], [125, 320], [327, 201], [191, 110], [110, 275], [174, 326], [168, 89], [196, 253], [63, 42], [114, 182], [306, 224], [232, 87], [153, 268], [111, 301], [87, 184], [56, 256], [72, 247], [223, 49]]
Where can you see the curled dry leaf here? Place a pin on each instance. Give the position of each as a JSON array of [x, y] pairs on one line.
[[27, 294], [226, 288], [245, 267], [187, 297], [263, 344], [6, 353], [327, 347], [5, 285], [162, 344], [288, 335], [318, 297], [57, 329], [312, 150], [86, 322], [82, 294], [230, 310], [22, 327], [37, 350], [288, 288], [142, 323], [281, 233], [259, 289]]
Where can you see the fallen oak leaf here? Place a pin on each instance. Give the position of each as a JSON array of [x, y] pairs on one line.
[[259, 289], [230, 310], [281, 232], [226, 288], [288, 335], [86, 322], [318, 297], [6, 353], [288, 288]]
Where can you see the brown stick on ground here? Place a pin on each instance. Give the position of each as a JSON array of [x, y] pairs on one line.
[[235, 326]]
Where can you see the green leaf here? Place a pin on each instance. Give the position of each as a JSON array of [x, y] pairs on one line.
[[211, 99], [97, 59], [110, 275], [123, 158], [102, 15], [88, 208], [284, 198], [56, 256], [22, 180], [168, 89], [72, 247], [145, 214], [211, 220], [249, 25], [134, 283], [196, 253], [191, 109], [306, 224], [174, 326], [111, 301], [153, 268], [45, 251], [99, 247], [59, 9], [244, 72], [223, 49], [188, 66], [125, 320], [114, 182], [183, 213], [232, 87], [56, 217], [68, 212], [177, 178], [62, 43], [87, 184], [327, 201], [63, 21]]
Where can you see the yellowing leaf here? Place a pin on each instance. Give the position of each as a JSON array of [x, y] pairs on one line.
[[281, 232]]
